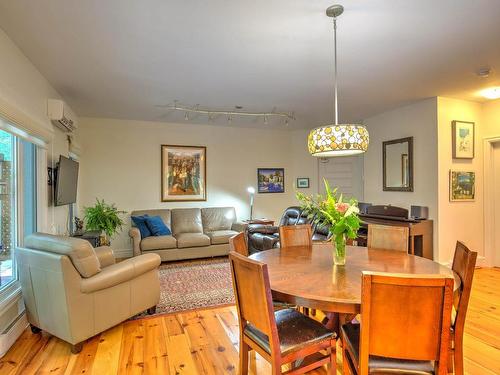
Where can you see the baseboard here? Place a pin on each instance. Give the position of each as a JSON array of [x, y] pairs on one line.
[[12, 333], [480, 262], [123, 253]]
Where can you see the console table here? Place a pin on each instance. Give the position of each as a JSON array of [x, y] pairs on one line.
[[92, 236]]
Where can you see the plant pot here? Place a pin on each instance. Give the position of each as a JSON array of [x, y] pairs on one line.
[[339, 255]]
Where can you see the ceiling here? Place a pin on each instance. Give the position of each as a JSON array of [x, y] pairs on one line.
[[123, 58]]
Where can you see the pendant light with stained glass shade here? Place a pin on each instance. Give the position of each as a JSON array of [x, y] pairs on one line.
[[337, 139]]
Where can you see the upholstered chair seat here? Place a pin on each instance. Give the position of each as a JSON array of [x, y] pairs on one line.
[[382, 365]]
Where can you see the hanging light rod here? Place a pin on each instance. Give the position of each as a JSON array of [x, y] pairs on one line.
[[229, 114]]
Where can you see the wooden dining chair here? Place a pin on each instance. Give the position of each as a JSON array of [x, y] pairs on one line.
[[281, 337], [464, 263], [414, 340], [295, 235], [238, 244], [388, 237]]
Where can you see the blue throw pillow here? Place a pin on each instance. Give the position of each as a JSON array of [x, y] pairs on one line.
[[140, 223], [157, 227]]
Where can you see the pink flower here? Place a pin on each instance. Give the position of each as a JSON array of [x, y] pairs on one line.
[[342, 207]]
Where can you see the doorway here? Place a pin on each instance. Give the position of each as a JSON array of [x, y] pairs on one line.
[[492, 201], [344, 173]]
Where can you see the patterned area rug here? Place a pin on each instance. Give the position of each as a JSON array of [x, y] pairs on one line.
[[195, 284]]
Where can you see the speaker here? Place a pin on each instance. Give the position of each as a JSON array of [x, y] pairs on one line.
[[419, 212], [363, 207]]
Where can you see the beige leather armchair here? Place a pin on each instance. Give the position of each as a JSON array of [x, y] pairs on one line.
[[74, 291]]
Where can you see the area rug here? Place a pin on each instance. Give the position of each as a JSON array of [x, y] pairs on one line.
[[194, 284]]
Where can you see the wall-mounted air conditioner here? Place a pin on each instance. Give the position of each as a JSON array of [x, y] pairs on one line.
[[56, 110]]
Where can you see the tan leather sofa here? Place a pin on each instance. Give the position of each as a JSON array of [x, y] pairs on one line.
[[74, 291], [196, 233]]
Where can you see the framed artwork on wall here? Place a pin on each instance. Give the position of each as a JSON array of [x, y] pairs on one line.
[[183, 173], [303, 182], [271, 180], [463, 139], [462, 186]]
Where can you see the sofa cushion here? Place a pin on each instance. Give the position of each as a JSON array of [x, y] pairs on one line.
[[157, 226], [217, 218], [186, 220], [140, 223], [192, 240], [164, 213], [220, 236], [80, 252], [158, 243]]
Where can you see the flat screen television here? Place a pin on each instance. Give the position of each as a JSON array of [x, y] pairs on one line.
[[66, 181]]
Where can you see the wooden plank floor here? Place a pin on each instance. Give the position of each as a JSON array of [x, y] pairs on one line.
[[206, 342]]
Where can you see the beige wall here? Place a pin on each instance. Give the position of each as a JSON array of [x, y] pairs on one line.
[[462, 221], [417, 120], [121, 164], [24, 88]]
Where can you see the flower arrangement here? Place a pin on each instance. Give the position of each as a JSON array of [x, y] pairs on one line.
[[330, 210]]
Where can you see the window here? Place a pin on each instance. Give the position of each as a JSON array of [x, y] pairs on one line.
[[17, 200]]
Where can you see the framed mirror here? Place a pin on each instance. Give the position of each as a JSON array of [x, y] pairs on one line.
[[397, 161]]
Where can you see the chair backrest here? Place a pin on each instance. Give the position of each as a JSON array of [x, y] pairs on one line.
[[296, 235], [253, 296], [388, 237], [238, 244], [291, 216], [464, 262], [405, 317]]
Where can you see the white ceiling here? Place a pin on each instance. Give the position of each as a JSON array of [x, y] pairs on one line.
[[122, 58]]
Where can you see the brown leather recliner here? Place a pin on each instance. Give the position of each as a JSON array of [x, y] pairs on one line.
[[265, 237], [74, 291]]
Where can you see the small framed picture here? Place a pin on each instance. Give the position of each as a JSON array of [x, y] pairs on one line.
[[462, 186], [271, 180], [463, 139], [303, 182]]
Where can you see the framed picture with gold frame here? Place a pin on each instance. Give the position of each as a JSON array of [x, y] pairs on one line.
[[462, 186], [183, 173], [463, 139]]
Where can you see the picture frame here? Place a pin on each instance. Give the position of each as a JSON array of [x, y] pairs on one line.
[[302, 183], [462, 186], [463, 139], [270, 180], [183, 173]]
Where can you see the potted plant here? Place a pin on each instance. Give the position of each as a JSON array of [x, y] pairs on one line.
[[104, 218], [341, 217]]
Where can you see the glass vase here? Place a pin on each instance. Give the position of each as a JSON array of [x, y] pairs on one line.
[[339, 243]]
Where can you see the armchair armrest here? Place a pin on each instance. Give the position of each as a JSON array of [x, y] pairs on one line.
[[105, 256], [135, 234], [120, 272], [263, 229], [239, 226]]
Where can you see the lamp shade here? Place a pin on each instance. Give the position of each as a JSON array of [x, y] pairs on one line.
[[338, 140]]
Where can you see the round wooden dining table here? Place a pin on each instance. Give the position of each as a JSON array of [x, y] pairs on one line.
[[306, 276]]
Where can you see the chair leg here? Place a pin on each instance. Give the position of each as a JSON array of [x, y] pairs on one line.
[[243, 366], [450, 361], [458, 356], [345, 364], [333, 358]]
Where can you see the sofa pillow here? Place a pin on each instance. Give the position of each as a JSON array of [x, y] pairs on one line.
[[140, 223], [157, 227]]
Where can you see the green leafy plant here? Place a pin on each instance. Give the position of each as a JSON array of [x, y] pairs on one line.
[[103, 217], [330, 210]]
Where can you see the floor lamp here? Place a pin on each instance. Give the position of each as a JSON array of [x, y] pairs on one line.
[[251, 191]]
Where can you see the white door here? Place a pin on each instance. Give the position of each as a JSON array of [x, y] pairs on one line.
[[496, 203], [344, 173]]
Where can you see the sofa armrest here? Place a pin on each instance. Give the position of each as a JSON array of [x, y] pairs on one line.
[[263, 229], [135, 234], [239, 226], [121, 272], [105, 256]]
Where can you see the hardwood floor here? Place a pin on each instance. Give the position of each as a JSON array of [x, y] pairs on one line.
[[206, 341]]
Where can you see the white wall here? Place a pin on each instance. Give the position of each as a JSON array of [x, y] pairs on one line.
[[121, 164], [417, 120], [23, 87], [462, 221]]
